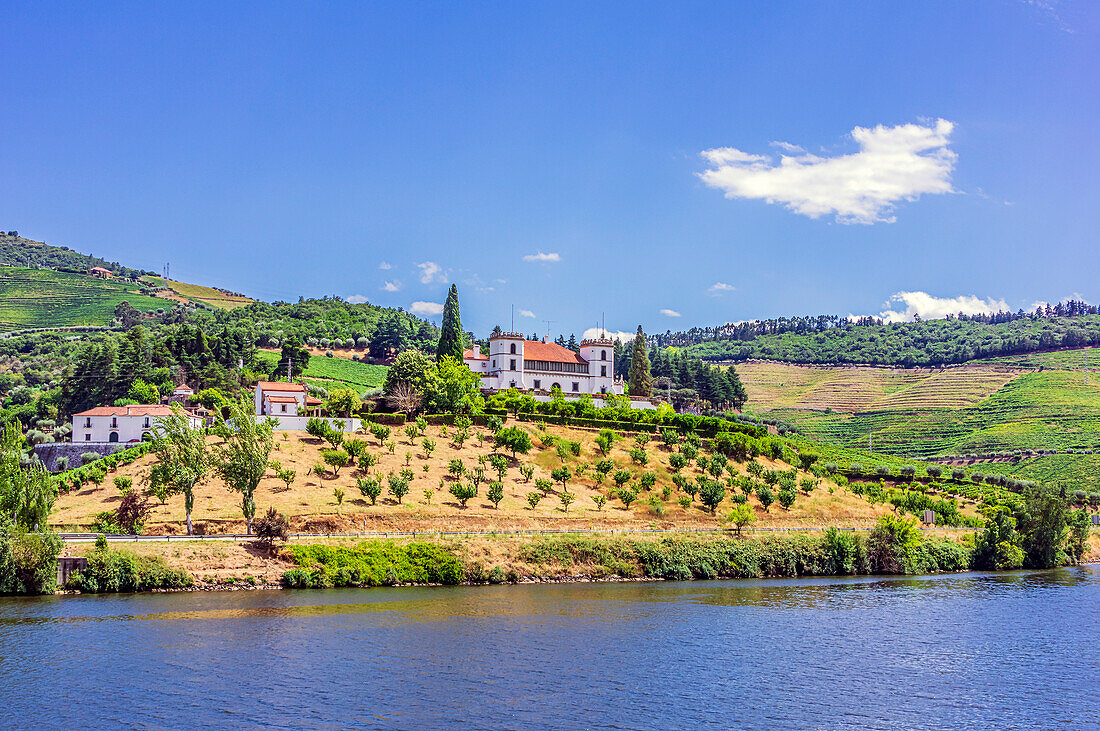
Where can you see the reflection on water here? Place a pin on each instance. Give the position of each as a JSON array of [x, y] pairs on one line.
[[956, 650]]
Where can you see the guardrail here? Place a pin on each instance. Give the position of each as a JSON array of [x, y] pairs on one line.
[[118, 538]]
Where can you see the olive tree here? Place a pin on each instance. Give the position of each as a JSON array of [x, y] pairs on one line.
[[240, 459]]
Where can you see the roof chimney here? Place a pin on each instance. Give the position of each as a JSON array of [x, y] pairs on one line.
[[544, 338]]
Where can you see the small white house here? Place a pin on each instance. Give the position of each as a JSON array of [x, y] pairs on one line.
[[280, 399], [109, 424]]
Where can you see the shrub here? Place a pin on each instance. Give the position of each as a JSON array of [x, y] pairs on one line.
[[600, 501], [125, 571], [272, 526], [787, 497], [463, 492], [533, 499], [647, 480], [373, 564], [88, 457], [544, 485], [495, 494], [934, 471], [639, 456], [627, 495]]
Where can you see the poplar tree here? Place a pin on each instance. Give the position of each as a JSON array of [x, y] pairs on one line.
[[640, 381], [450, 337]]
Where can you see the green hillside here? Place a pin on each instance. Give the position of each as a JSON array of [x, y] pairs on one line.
[[332, 373], [45, 298], [17, 251]]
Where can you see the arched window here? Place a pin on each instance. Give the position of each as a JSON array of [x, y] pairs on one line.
[[513, 348], [603, 355], [113, 437]]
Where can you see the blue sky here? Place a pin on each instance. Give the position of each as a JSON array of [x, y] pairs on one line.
[[285, 149]]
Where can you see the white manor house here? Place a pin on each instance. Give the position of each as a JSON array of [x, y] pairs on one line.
[[539, 365]]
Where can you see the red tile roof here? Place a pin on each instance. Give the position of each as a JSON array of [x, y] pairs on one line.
[[473, 355], [277, 386], [538, 350], [134, 410], [282, 399]]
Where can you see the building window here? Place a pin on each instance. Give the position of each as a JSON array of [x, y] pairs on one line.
[[146, 425], [603, 371], [513, 351], [513, 365], [576, 387], [88, 422], [494, 362], [284, 406], [603, 389], [603, 355], [87, 437], [114, 422]]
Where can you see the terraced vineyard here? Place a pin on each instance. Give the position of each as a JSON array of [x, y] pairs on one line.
[[1066, 360], [1044, 410], [332, 373], [209, 295], [1079, 471], [46, 298]]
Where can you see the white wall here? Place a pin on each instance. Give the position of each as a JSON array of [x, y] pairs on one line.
[[298, 423]]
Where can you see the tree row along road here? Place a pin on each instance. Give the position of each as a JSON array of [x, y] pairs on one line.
[[90, 537]]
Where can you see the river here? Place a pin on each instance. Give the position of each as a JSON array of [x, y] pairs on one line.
[[974, 650]]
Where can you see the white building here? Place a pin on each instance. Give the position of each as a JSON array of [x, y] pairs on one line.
[[538, 365], [280, 399], [109, 424]]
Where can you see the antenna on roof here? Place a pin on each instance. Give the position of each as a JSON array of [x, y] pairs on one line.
[[548, 327], [513, 329]]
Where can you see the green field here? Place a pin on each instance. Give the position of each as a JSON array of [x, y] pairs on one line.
[[45, 298], [332, 373], [1076, 471], [1066, 360], [990, 407]]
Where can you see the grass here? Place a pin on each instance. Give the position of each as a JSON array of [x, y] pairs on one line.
[[1076, 471], [213, 297], [332, 373], [46, 298], [1071, 359]]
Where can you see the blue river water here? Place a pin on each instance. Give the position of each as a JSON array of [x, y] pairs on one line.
[[975, 650]]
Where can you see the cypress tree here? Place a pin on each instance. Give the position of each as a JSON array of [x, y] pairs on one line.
[[450, 337], [640, 381]]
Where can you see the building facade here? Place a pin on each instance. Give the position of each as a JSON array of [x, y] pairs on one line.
[[122, 424], [539, 365], [280, 399]]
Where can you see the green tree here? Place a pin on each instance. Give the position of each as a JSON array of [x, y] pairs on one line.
[[343, 401], [711, 494], [533, 499], [28, 493], [640, 381], [566, 499], [182, 459], [463, 492], [495, 493], [499, 463], [293, 359], [741, 515], [450, 334], [370, 487], [455, 389], [399, 486], [335, 458], [143, 393], [241, 458], [562, 475], [1041, 520], [514, 439]]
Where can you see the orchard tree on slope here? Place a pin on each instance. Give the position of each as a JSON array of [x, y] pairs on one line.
[[640, 381], [450, 337]]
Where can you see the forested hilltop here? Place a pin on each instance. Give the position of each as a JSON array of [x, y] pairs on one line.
[[16, 251], [835, 340]]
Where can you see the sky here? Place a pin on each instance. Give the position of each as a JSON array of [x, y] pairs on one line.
[[668, 165]]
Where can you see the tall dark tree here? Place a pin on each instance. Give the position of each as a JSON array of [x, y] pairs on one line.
[[640, 381], [450, 338], [293, 360]]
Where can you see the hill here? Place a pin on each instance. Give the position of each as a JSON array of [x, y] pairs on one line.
[[16, 251], [335, 372], [835, 341], [43, 298], [219, 299], [977, 409], [312, 504]]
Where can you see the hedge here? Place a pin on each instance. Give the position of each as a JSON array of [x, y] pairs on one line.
[[475, 419], [704, 425]]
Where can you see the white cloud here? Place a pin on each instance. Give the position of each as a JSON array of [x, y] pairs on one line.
[[893, 164], [430, 272], [385, 265], [552, 256], [357, 299], [391, 286], [595, 332], [720, 287], [426, 308], [526, 313], [670, 313], [934, 308]]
